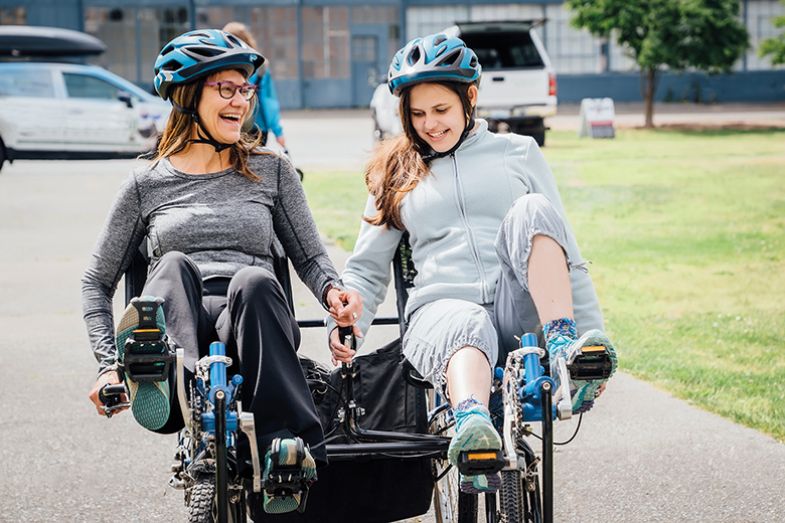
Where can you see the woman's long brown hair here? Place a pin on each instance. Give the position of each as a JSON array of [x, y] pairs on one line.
[[397, 165], [179, 130]]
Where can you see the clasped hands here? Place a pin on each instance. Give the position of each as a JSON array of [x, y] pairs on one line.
[[346, 307]]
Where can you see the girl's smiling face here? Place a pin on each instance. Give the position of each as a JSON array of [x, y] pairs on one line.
[[437, 114]]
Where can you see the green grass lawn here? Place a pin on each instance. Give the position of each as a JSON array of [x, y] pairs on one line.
[[686, 235]]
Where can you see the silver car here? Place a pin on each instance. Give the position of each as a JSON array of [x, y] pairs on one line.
[[67, 110]]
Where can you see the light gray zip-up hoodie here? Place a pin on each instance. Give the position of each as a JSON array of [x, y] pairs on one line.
[[453, 217]]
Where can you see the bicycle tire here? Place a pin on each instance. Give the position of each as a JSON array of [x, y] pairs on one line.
[[467, 508], [510, 497], [202, 500]]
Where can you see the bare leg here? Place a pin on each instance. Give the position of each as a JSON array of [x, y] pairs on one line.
[[549, 280], [468, 376]]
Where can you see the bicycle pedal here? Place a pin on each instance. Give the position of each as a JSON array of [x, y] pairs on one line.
[[593, 363], [475, 462]]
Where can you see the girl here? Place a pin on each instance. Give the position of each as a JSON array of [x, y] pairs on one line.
[[494, 254]]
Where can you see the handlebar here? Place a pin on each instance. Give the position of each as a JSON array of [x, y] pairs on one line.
[[347, 338], [110, 396]]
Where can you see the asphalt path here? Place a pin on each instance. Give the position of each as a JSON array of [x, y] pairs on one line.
[[640, 456]]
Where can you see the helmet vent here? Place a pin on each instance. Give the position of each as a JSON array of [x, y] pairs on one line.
[[172, 65], [473, 62], [440, 38], [207, 52], [414, 56], [235, 41], [452, 58]]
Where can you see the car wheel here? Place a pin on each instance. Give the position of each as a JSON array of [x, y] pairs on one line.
[[2, 154]]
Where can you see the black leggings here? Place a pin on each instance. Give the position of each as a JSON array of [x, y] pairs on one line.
[[250, 314]]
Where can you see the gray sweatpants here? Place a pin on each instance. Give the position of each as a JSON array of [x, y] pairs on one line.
[[439, 328]]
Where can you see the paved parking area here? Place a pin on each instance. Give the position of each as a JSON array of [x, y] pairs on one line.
[[641, 455]]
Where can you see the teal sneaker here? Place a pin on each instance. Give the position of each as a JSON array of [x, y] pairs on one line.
[[591, 361], [145, 356], [474, 431], [289, 470]]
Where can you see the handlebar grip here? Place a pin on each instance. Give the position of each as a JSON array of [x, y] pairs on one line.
[[346, 335], [110, 394]]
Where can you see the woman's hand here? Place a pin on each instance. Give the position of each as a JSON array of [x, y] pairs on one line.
[[345, 306], [342, 353], [107, 378]]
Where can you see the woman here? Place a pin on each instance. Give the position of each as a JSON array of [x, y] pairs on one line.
[[211, 204], [494, 254], [267, 116]]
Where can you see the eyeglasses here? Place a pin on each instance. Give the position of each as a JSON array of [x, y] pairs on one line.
[[228, 89]]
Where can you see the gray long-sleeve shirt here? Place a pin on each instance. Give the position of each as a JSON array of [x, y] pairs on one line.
[[222, 221]]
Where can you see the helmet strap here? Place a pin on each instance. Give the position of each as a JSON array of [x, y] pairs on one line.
[[428, 158], [204, 135]]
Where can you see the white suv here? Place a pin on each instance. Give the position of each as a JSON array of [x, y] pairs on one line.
[[518, 84], [66, 110]]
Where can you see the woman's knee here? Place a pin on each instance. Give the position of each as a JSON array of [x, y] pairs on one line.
[[174, 264], [254, 281]]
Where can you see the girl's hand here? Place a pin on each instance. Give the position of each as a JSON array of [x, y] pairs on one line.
[[345, 306], [341, 353]]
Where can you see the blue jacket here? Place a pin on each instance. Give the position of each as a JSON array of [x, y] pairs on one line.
[[268, 110]]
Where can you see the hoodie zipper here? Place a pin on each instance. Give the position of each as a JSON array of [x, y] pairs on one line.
[[472, 243]]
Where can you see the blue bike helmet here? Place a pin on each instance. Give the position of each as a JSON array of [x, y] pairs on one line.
[[433, 58], [199, 53]]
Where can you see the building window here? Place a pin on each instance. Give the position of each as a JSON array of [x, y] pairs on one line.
[[158, 25], [325, 42], [571, 50], [116, 28], [381, 15], [760, 25], [13, 16], [275, 28], [421, 21]]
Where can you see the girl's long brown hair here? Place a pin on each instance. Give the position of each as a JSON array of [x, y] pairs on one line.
[[179, 130], [397, 166]]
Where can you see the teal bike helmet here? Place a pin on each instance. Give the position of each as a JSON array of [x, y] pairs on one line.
[[193, 56], [196, 54], [434, 58]]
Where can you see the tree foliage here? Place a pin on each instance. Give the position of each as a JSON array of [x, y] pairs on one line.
[[775, 46], [673, 34]]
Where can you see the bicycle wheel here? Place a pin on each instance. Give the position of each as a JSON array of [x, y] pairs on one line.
[[450, 504], [203, 502], [510, 497]]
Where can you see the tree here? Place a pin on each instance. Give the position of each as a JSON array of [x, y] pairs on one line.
[[673, 34], [775, 46]]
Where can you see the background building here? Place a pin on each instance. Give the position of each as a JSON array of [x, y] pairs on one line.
[[330, 53]]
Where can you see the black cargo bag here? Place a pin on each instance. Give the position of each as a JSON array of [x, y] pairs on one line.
[[367, 490]]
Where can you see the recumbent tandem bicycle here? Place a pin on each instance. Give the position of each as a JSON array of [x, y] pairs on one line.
[[386, 430]]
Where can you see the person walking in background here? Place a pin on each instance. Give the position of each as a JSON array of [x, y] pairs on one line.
[[268, 111]]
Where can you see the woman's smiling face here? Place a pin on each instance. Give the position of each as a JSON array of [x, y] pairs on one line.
[[223, 118], [437, 114]]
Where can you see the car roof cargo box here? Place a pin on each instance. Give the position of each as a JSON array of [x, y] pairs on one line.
[[21, 41]]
